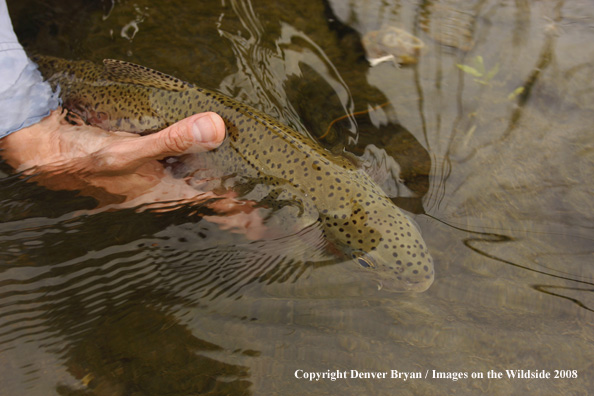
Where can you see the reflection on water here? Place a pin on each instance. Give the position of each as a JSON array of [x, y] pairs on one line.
[[127, 302]]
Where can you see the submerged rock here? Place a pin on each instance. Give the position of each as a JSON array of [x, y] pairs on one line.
[[392, 44]]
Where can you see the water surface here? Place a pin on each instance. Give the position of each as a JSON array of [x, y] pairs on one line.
[[494, 163]]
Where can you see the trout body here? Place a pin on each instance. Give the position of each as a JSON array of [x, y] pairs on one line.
[[355, 215]]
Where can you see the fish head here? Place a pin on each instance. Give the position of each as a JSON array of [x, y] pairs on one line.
[[383, 245]]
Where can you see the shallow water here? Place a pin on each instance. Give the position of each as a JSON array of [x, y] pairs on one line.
[[499, 179]]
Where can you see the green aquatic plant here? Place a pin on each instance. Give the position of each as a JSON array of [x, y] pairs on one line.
[[482, 76], [515, 93]]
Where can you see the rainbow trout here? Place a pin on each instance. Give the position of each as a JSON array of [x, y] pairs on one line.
[[356, 217]]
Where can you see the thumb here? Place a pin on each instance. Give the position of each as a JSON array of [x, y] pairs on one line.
[[197, 133]]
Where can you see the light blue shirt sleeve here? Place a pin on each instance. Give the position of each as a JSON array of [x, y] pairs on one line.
[[25, 98]]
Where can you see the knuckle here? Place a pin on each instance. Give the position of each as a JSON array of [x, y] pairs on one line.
[[175, 140]]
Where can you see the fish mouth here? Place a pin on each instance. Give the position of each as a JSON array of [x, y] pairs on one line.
[[418, 287], [380, 285], [404, 286]]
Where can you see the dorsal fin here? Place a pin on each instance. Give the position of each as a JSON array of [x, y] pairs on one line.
[[126, 72]]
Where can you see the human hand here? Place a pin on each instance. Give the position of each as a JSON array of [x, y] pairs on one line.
[[121, 169]]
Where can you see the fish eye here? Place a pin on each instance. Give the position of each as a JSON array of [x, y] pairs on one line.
[[363, 260], [364, 263]]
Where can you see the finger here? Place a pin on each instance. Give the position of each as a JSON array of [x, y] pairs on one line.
[[198, 133]]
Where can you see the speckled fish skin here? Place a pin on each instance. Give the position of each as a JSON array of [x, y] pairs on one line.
[[356, 217]]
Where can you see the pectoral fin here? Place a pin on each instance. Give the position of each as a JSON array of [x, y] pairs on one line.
[[385, 171]]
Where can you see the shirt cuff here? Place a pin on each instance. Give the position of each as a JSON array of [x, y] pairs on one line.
[[25, 98]]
